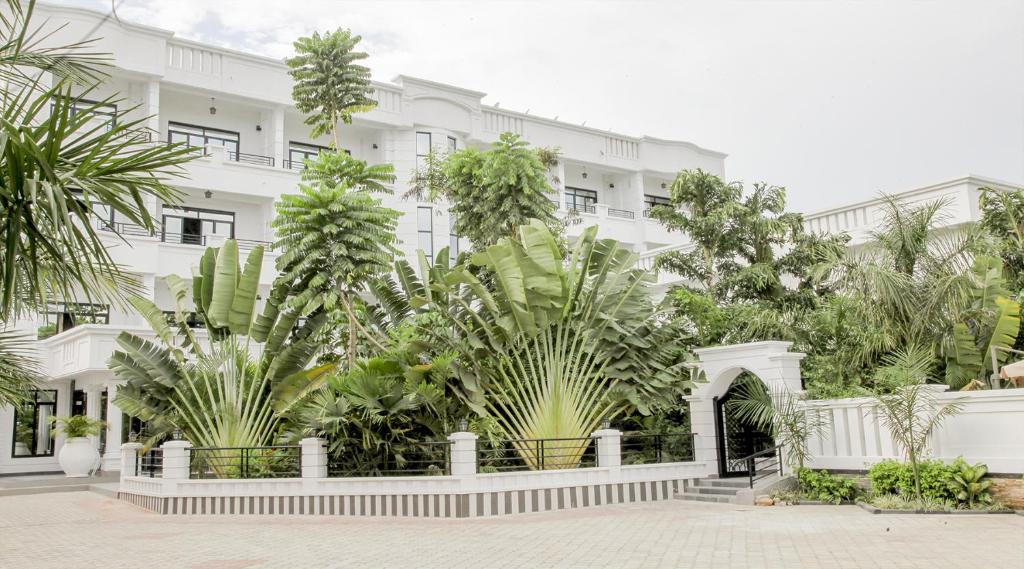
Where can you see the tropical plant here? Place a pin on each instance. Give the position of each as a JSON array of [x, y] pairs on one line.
[[910, 410], [783, 414], [969, 485], [336, 237], [77, 426], [1002, 216], [826, 487], [491, 193], [19, 370], [217, 390], [549, 348], [330, 85]]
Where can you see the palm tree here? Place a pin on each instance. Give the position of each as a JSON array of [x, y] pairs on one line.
[[58, 169]]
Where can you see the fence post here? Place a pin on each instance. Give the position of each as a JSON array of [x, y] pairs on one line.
[[314, 458], [130, 459], [609, 448], [463, 453], [176, 459]]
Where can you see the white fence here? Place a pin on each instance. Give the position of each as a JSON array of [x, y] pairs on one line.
[[988, 429]]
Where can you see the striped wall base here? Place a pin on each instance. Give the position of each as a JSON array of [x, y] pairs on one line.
[[416, 505]]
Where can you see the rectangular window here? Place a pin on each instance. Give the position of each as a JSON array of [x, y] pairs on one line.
[[299, 152], [192, 225], [453, 239], [423, 144], [201, 136], [453, 144], [651, 201], [580, 200], [66, 315], [425, 230], [33, 433], [106, 113]]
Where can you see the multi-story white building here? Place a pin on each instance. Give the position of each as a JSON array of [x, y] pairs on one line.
[[238, 106]]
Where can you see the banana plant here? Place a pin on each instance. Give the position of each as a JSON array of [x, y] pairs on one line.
[[219, 390], [990, 319]]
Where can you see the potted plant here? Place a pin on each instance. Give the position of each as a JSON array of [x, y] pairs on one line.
[[78, 457]]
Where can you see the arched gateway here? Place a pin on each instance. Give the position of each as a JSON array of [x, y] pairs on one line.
[[720, 438]]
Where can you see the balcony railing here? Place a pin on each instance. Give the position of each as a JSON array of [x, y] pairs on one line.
[[251, 158], [623, 213], [294, 164], [579, 208], [205, 240]]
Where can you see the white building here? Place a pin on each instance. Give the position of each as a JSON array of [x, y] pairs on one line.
[[238, 106]]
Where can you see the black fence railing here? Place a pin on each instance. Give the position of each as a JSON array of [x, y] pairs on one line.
[[763, 464], [150, 463], [580, 208], [656, 448], [283, 461], [192, 319], [294, 164], [122, 228], [427, 458], [203, 240], [536, 454], [623, 213], [250, 158]]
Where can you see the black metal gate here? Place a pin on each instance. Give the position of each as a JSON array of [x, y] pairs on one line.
[[737, 439]]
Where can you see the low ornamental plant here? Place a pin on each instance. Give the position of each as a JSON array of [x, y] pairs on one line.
[[78, 426], [823, 486], [957, 483]]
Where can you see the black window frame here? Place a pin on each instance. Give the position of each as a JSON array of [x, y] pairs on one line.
[[90, 313], [453, 144], [198, 210], [652, 201], [580, 200], [35, 403], [79, 105], [205, 135], [421, 159], [429, 231], [307, 150]]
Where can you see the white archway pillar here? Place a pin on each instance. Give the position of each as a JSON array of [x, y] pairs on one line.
[[770, 361]]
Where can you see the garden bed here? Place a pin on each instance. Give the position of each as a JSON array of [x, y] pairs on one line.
[[876, 510]]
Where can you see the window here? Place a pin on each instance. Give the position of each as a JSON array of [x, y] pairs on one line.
[[106, 113], [33, 433], [67, 315], [651, 201], [425, 230], [453, 144], [200, 136], [453, 239], [192, 225], [579, 199], [299, 152], [423, 144]]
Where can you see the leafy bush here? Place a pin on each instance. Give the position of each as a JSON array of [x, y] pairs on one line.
[[958, 482], [908, 502], [887, 477], [77, 426], [968, 484], [820, 485]]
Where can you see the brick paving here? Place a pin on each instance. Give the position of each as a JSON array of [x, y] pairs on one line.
[[82, 529]]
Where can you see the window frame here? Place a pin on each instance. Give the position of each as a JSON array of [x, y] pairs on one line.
[[198, 210], [429, 231], [204, 134], [421, 159], [576, 197], [36, 404]]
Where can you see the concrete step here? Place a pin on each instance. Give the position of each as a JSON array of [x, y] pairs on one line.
[[738, 483], [703, 498], [714, 490]]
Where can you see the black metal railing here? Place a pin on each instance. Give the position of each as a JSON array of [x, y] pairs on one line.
[[257, 159], [294, 164], [656, 448], [536, 454], [202, 240], [623, 213], [150, 463], [763, 464], [283, 461], [426, 458], [579, 208], [122, 228]]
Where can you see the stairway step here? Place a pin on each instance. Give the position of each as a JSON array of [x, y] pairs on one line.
[[717, 490], [722, 483], [703, 498]]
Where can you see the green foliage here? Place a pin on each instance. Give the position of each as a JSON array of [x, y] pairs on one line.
[[19, 370], [330, 84], [906, 502], [889, 477], [958, 483], [780, 412], [969, 486], [1002, 216], [825, 487], [220, 395], [77, 426], [492, 192]]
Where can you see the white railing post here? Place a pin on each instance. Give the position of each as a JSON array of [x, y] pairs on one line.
[[130, 459], [609, 448], [176, 460], [314, 457], [463, 453]]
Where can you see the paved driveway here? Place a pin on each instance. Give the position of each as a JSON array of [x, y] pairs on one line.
[[82, 529]]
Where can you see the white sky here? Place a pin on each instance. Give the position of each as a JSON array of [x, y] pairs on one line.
[[836, 100]]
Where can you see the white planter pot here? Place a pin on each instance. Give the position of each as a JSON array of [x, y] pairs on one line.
[[78, 457]]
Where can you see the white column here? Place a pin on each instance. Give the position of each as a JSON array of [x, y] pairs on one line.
[[702, 424], [277, 136], [113, 452], [635, 203], [560, 185], [463, 453], [152, 107], [609, 448], [314, 458], [128, 459], [176, 457], [92, 408]]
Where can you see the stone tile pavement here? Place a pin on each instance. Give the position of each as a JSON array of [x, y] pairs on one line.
[[82, 529]]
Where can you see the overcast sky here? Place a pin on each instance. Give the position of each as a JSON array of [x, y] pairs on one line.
[[835, 100]]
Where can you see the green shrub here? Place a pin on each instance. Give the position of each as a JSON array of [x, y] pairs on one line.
[[968, 484], [887, 477], [936, 480], [958, 482], [825, 487]]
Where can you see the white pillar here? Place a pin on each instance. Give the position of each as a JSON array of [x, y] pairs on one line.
[[609, 448], [176, 459], [277, 136], [114, 415], [314, 458], [635, 203], [560, 184], [129, 459], [702, 424], [92, 408], [463, 454], [152, 107]]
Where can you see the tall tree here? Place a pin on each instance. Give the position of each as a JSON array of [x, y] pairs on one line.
[[1002, 215], [492, 193], [330, 84]]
